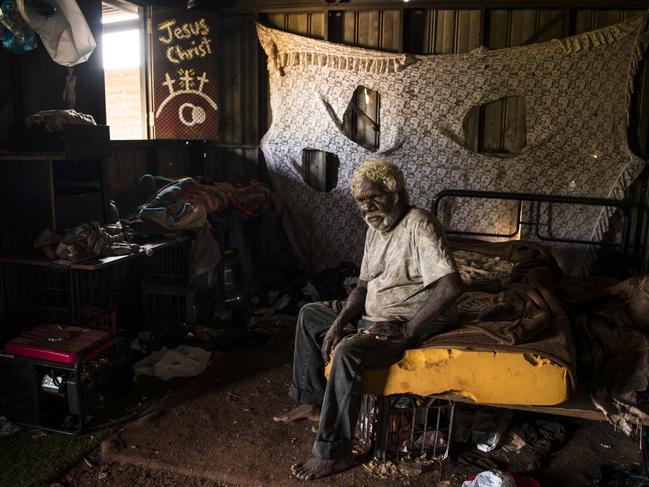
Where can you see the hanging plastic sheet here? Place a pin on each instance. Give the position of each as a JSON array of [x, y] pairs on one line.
[[62, 28]]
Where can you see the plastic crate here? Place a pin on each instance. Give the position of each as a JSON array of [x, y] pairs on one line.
[[61, 294], [401, 426], [45, 293], [95, 289], [175, 305], [169, 265]]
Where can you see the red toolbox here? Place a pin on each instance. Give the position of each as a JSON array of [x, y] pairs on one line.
[[56, 377]]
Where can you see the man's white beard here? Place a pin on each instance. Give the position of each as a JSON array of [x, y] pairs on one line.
[[387, 221]]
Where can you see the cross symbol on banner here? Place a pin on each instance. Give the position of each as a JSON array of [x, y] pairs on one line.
[[169, 83], [186, 79], [203, 79]]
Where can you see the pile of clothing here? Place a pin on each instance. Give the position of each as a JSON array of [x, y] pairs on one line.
[[188, 204], [84, 241]]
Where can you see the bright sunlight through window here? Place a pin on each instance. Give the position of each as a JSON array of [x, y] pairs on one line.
[[123, 73]]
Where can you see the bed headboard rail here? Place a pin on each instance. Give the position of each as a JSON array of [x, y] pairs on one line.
[[534, 222]]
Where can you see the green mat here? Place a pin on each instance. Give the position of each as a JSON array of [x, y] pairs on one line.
[[27, 461]]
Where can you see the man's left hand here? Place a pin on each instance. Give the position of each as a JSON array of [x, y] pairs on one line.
[[388, 330]]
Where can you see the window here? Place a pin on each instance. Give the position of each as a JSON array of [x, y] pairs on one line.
[[497, 128], [320, 169], [361, 120], [123, 61]]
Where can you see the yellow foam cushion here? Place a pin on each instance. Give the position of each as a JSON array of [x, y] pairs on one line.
[[485, 377]]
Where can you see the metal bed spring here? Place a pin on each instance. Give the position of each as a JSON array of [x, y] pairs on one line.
[[406, 426]]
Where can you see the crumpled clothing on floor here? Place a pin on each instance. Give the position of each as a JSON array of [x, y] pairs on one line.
[[183, 361], [91, 239], [523, 447], [532, 442]]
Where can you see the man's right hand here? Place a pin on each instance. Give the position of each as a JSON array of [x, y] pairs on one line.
[[331, 339]]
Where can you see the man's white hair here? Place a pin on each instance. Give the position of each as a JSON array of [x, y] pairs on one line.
[[379, 171]]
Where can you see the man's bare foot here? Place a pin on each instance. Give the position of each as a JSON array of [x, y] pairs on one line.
[[315, 468], [303, 411]]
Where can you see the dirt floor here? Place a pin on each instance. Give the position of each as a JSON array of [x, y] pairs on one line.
[[217, 430]]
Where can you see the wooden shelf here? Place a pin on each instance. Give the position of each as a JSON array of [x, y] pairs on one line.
[[36, 258], [24, 257], [32, 156], [101, 262]]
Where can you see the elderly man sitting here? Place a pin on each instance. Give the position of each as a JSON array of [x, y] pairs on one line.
[[407, 289]]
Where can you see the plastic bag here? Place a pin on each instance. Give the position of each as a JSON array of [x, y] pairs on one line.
[[491, 478], [204, 259], [65, 34], [15, 33]]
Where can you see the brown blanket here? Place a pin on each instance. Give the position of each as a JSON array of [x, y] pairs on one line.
[[523, 315]]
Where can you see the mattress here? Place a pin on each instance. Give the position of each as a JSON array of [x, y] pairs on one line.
[[483, 376]]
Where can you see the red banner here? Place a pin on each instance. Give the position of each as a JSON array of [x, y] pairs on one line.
[[184, 75]]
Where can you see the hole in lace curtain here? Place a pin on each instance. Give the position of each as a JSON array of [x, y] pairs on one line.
[[320, 169], [361, 121], [497, 128]]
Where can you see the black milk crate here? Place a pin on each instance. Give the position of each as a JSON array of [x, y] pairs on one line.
[[175, 305], [406, 426], [168, 265], [61, 294], [95, 290]]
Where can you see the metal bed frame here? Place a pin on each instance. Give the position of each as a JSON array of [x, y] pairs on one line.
[[622, 205]]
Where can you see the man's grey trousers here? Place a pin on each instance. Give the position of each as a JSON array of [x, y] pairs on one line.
[[340, 397]]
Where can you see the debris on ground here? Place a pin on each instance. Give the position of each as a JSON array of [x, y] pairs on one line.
[[382, 469]]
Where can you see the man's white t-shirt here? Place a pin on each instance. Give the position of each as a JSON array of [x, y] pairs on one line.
[[400, 265]]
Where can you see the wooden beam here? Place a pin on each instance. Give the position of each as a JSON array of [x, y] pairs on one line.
[[545, 28], [258, 6]]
